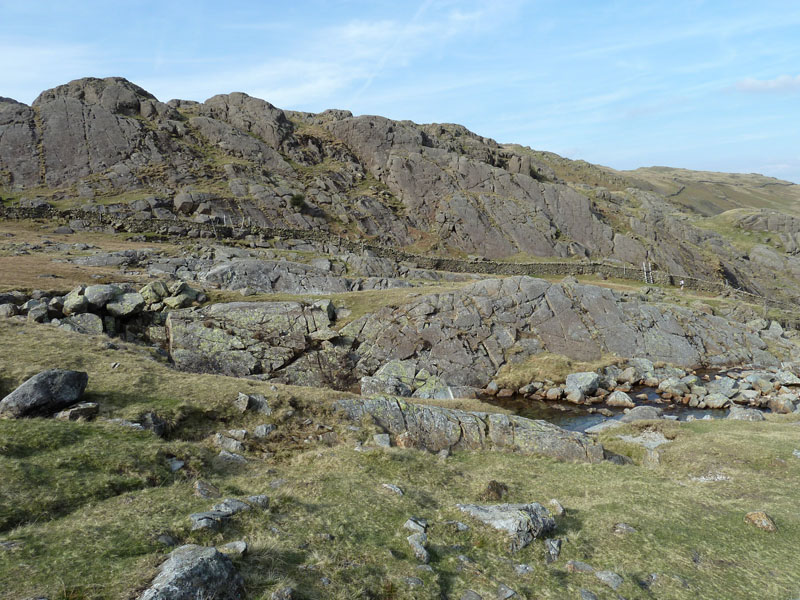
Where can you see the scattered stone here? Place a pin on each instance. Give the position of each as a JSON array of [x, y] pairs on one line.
[[260, 501], [761, 520], [504, 592], [45, 393], [392, 488], [193, 572], [231, 458], [610, 578], [416, 524], [418, 542], [413, 582], [205, 489], [264, 431], [231, 506], [470, 595], [458, 525], [576, 566], [524, 522], [286, 593], [83, 410], [494, 492], [587, 595], [552, 548], [254, 402], [175, 464], [227, 443], [623, 528], [238, 548], [556, 507], [523, 569], [238, 434], [211, 519]]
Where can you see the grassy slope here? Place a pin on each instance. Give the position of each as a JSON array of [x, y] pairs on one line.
[[711, 193], [92, 517]]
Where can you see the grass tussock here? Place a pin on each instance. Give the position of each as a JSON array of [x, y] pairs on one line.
[[547, 366]]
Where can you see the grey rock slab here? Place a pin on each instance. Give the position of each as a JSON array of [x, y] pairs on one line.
[[610, 578], [588, 595], [45, 393], [382, 440], [395, 489], [603, 426], [576, 566], [523, 522], [436, 429], [193, 572], [470, 595]]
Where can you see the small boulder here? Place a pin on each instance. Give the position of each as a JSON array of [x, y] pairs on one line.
[[642, 413], [83, 410], [586, 382], [193, 572], [524, 522], [45, 393], [620, 400], [761, 520]]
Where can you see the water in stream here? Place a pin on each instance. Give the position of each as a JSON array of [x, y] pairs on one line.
[[578, 418]]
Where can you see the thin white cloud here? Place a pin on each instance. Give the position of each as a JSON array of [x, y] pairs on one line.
[[780, 84]]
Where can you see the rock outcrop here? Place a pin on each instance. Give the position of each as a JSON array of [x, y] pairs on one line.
[[434, 428]]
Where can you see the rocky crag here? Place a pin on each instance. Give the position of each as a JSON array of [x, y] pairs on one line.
[[238, 159]]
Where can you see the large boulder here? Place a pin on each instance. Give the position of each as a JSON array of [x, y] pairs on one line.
[[45, 393], [196, 573]]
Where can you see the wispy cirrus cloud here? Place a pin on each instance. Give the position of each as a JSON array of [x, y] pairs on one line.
[[782, 84]]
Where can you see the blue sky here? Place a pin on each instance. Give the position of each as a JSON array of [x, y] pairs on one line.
[[686, 83]]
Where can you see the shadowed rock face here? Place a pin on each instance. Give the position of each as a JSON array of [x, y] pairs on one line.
[[434, 429]]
